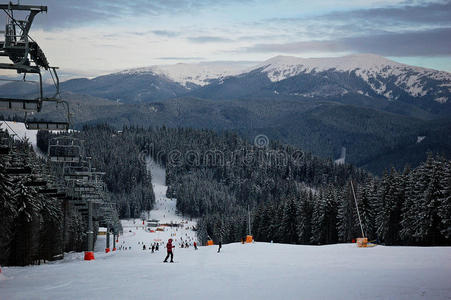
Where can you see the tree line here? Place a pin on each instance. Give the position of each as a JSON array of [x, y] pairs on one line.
[[116, 154], [34, 225], [293, 196]]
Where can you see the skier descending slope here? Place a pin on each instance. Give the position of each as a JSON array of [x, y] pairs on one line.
[[169, 246]]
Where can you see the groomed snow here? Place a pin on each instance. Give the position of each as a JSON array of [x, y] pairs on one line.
[[254, 271], [250, 271]]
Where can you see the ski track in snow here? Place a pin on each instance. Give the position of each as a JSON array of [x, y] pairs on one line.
[[250, 271]]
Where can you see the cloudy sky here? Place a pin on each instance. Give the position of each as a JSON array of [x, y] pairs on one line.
[[95, 37]]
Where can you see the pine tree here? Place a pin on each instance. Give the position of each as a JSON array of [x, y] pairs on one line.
[[27, 210], [424, 193], [444, 210], [305, 211], [409, 209], [290, 221], [430, 224], [347, 221], [8, 213], [318, 217]]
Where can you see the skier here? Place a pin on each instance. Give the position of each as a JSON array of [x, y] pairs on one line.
[[144, 247], [220, 246], [153, 247], [195, 246], [169, 247], [157, 247]]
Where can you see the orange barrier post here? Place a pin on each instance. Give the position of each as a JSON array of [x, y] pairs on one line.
[[107, 250], [249, 239], [210, 243], [114, 249], [89, 255]]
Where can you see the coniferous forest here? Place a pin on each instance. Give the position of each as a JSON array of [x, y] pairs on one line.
[[293, 196], [118, 155], [220, 178], [36, 223]]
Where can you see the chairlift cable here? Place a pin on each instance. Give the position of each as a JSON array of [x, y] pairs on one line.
[[23, 140], [54, 82]]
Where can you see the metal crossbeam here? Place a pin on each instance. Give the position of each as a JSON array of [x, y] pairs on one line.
[[36, 125], [12, 6], [20, 104]]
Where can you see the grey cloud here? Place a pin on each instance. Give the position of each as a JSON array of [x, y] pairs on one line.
[[180, 58], [431, 13], [208, 39], [341, 24], [69, 13], [435, 42], [166, 33]]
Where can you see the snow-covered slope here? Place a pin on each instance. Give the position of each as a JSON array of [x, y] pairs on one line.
[[381, 74], [199, 74], [250, 271]]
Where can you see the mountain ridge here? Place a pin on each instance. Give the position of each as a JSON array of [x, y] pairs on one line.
[[360, 76]]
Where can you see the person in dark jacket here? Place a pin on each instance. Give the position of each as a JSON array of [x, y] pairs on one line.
[[195, 246], [219, 246], [169, 247]]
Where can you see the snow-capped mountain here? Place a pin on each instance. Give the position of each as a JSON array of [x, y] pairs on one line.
[[382, 75], [365, 80], [199, 74]]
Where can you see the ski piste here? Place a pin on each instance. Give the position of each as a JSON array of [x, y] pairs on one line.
[[251, 271]]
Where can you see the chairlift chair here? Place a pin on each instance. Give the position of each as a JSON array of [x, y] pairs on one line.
[[28, 58], [84, 176], [65, 149]]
